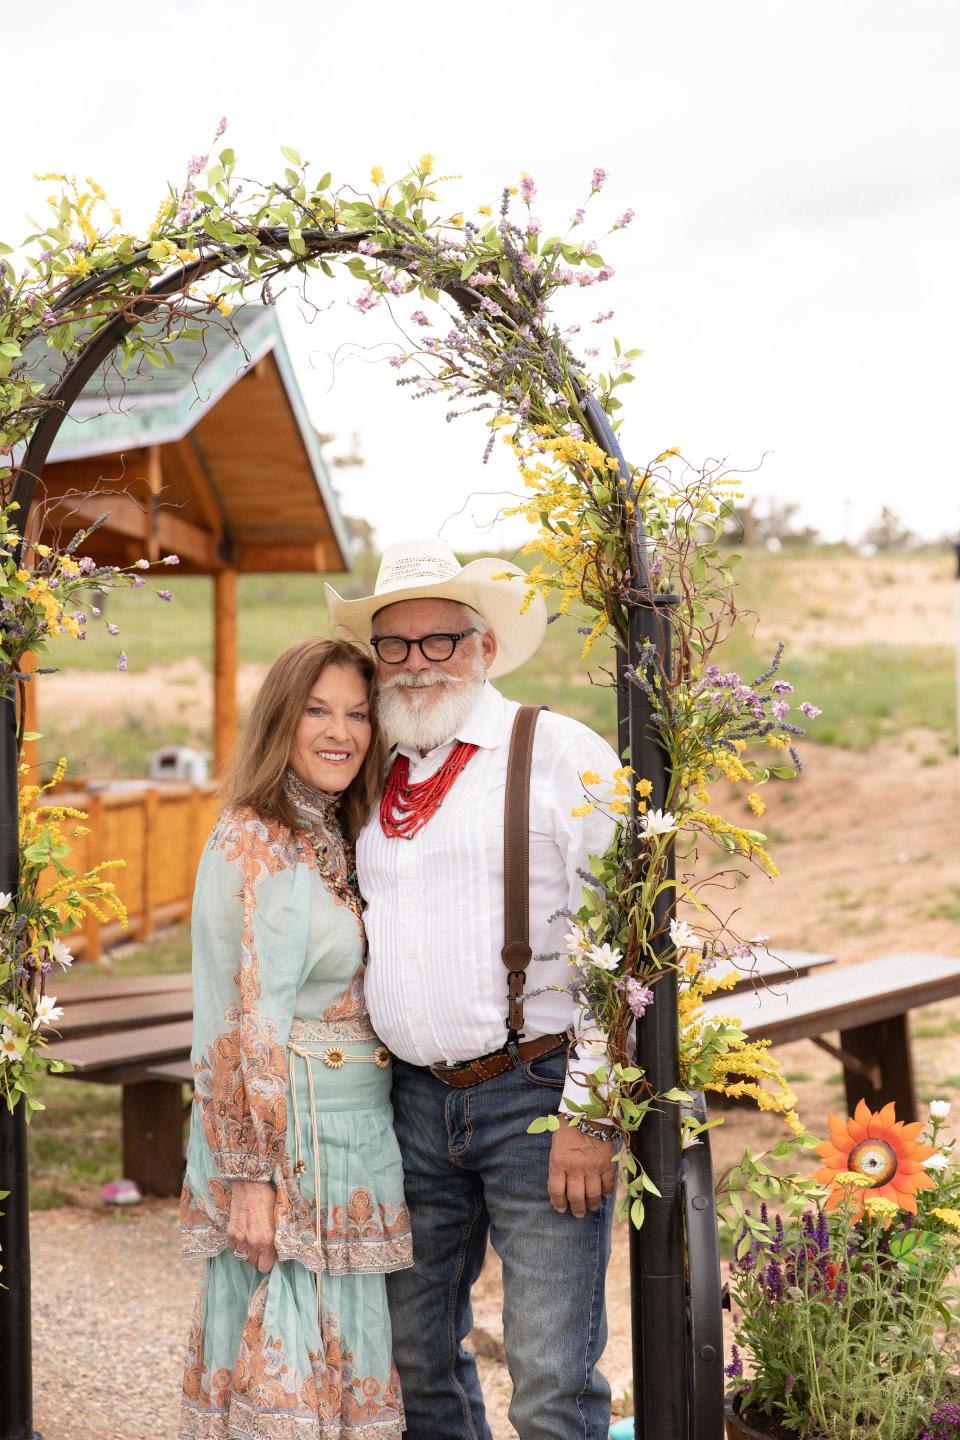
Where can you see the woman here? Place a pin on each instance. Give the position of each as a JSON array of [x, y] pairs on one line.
[[291, 1336]]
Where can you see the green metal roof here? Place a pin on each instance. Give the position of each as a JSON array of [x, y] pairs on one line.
[[120, 410]]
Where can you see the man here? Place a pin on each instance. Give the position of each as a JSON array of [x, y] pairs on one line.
[[466, 1088]]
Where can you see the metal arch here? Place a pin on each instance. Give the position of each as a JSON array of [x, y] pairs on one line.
[[704, 1293]]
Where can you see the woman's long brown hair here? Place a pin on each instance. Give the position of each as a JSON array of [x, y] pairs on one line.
[[256, 774]]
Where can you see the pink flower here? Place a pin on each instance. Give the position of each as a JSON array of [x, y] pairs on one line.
[[397, 360], [623, 221], [811, 711], [164, 595], [419, 318], [607, 272], [586, 277], [171, 560], [780, 708], [113, 629], [533, 226], [121, 661], [597, 179], [87, 565], [367, 247], [578, 217], [528, 189], [221, 127], [490, 306], [603, 315], [365, 301]]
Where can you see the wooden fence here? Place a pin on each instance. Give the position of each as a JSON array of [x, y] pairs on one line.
[[159, 832]]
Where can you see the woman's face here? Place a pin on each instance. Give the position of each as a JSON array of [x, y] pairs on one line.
[[334, 731]]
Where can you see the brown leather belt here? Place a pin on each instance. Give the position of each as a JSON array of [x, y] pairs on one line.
[[498, 1062]]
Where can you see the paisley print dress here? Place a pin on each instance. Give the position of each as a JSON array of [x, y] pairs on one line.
[[293, 1087]]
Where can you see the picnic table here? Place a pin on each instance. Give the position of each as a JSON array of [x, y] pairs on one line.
[[869, 1004]]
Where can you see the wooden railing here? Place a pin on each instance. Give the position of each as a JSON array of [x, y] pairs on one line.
[[159, 833]]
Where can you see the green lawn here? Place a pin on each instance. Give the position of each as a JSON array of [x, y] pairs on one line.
[[866, 691]]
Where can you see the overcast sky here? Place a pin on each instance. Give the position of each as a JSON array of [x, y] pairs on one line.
[[791, 274]]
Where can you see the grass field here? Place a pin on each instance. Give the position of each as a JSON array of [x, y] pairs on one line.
[[858, 646]]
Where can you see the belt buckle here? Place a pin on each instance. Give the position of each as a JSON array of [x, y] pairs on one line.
[[440, 1070]]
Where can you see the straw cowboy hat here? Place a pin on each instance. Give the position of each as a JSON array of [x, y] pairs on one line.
[[428, 569]]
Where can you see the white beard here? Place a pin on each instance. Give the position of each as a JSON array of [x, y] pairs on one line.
[[411, 718]]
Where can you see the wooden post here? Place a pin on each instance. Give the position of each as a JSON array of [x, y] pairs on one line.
[[224, 666], [93, 804], [31, 751], [155, 484], [147, 881]]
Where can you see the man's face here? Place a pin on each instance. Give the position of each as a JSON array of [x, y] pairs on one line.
[[413, 620]]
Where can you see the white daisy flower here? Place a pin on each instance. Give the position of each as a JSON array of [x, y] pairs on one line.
[[5, 898], [939, 1109], [62, 953], [683, 936], [8, 1045], [936, 1162], [604, 957], [47, 1012], [657, 822]]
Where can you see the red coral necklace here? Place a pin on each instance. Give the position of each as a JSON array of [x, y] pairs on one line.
[[406, 808]]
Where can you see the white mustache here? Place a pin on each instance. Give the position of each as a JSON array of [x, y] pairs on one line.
[[426, 681]]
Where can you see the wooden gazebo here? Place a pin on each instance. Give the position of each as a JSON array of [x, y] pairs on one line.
[[214, 460]]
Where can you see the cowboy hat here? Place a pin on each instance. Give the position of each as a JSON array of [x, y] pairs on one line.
[[428, 569]]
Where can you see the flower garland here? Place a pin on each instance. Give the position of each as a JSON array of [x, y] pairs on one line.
[[472, 298]]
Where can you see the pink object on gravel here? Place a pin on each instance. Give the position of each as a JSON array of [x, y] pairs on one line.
[[122, 1192]]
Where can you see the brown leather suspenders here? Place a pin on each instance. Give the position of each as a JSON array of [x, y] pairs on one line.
[[516, 952]]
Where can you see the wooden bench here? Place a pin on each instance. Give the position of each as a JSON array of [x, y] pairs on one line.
[[762, 968], [869, 1004], [152, 1106], [80, 988], [123, 1012]]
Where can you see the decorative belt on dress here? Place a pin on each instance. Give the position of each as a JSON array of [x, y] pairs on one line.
[[324, 1040], [497, 1062]]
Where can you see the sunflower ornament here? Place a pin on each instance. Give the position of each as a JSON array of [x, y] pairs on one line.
[[881, 1148]]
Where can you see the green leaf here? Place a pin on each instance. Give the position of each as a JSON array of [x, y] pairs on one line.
[[469, 266], [292, 155], [324, 180], [676, 1094], [542, 1123], [637, 1213]]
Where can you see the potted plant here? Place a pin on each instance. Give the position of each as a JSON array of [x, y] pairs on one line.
[[843, 1309]]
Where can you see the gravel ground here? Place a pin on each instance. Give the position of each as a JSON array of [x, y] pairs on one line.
[[112, 1300]]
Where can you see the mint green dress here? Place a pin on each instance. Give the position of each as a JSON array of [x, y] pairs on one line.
[[291, 1085]]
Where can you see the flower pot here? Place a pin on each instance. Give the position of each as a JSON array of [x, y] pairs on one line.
[[738, 1429]]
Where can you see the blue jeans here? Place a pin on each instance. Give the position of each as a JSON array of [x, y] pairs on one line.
[[470, 1169]]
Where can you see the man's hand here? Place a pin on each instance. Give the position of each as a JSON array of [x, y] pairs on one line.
[[251, 1227], [581, 1170]]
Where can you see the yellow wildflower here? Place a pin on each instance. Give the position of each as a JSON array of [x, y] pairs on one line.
[[619, 807], [579, 811], [756, 804], [948, 1215], [426, 163], [485, 210], [852, 1180], [644, 787], [778, 742], [590, 777], [376, 175], [457, 221], [880, 1207], [42, 550], [69, 566], [666, 454]]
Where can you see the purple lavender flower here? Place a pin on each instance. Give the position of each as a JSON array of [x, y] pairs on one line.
[[490, 306], [811, 711], [87, 565], [138, 582], [782, 687], [397, 360], [597, 179], [639, 997], [171, 560], [623, 221], [528, 189], [164, 595], [780, 709], [367, 247], [735, 1369], [113, 629], [121, 661], [197, 164], [578, 217], [534, 226], [419, 317]]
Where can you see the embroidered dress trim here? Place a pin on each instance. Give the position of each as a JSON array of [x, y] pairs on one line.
[[328, 1032]]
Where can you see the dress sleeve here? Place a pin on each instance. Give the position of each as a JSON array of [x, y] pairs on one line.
[[250, 921], [579, 837]]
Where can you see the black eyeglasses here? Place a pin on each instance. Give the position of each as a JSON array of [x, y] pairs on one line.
[[393, 649]]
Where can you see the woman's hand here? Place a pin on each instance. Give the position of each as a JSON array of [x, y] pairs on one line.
[[252, 1226]]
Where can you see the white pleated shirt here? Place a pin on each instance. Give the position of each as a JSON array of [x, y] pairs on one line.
[[436, 987]]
